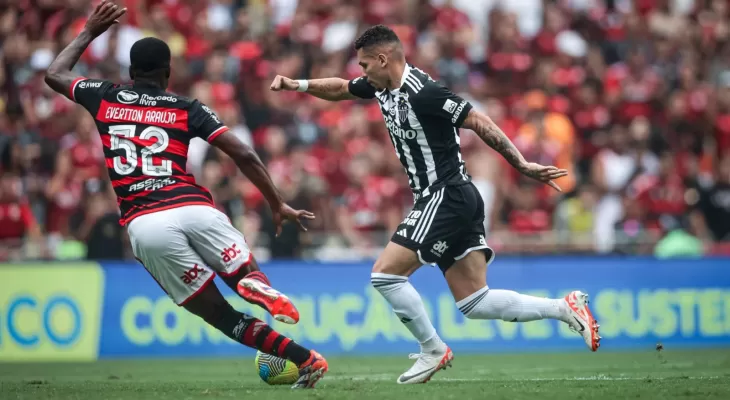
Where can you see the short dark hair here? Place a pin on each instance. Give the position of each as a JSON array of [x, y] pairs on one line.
[[376, 35], [149, 54]]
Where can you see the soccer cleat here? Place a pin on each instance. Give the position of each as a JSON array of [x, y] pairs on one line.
[[426, 366], [270, 299], [311, 371], [581, 319]]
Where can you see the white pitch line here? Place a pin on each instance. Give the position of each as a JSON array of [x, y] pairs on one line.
[[388, 377]]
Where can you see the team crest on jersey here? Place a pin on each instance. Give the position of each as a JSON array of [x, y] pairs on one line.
[[403, 107]]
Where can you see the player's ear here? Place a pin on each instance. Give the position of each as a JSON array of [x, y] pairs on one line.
[[383, 60], [131, 73]]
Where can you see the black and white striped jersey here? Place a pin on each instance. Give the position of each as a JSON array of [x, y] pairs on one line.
[[423, 119]]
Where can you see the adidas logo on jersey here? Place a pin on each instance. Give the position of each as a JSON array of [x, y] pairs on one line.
[[403, 233], [439, 248]]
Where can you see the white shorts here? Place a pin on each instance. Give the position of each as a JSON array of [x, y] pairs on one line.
[[183, 248]]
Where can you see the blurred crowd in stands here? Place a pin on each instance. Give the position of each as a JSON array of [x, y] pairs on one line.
[[631, 96]]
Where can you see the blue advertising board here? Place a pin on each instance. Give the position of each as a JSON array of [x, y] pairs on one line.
[[638, 302], [86, 311]]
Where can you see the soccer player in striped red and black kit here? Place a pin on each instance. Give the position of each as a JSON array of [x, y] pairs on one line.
[[175, 231]]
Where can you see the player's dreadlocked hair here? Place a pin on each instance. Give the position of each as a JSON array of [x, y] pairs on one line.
[[375, 35]]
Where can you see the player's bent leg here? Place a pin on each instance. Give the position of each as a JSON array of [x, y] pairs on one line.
[[390, 278], [210, 305], [225, 250], [253, 286], [467, 281]]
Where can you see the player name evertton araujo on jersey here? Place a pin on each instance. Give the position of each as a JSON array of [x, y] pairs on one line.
[[422, 118], [145, 134]]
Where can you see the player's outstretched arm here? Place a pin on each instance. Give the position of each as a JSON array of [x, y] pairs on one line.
[[59, 75], [493, 136], [332, 89], [250, 164]]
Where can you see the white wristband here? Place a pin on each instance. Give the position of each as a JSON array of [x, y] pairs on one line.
[[303, 85]]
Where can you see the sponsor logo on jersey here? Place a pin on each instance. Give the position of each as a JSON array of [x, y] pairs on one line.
[[193, 274], [151, 184], [147, 100], [127, 97], [230, 254], [91, 85], [458, 111], [482, 240], [439, 248], [397, 131], [212, 114], [450, 106]]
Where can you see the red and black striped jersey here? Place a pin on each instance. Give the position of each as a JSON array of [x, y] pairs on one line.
[[145, 132]]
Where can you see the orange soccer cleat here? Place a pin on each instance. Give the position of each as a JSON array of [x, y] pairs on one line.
[[311, 371], [270, 299], [583, 321]]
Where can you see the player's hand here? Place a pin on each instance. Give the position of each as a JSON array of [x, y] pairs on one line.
[[105, 15], [284, 83], [544, 174], [286, 213]]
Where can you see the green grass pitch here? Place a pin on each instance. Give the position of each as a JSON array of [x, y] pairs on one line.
[[670, 374]]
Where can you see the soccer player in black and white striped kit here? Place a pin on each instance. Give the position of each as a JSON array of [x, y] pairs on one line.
[[445, 226]]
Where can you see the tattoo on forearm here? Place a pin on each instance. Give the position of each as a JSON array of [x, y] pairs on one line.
[[490, 133]]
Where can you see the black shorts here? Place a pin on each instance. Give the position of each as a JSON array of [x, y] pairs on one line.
[[446, 226]]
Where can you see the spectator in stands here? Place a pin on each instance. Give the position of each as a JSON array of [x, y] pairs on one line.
[[19, 229], [598, 87], [714, 203]]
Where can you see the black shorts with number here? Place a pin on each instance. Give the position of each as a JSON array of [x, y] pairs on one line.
[[445, 226]]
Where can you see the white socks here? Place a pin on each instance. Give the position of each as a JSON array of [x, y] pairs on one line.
[[408, 306], [511, 306]]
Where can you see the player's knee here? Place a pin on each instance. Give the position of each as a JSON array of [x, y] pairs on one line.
[[384, 266], [380, 267]]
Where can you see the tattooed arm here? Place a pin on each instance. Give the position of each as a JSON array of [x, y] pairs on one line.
[[59, 75], [490, 133]]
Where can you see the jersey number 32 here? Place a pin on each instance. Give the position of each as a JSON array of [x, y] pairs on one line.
[[125, 165]]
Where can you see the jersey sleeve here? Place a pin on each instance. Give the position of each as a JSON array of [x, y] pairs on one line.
[[438, 101], [88, 92], [204, 123], [359, 87]]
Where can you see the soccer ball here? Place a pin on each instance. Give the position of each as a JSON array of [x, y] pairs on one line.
[[276, 371]]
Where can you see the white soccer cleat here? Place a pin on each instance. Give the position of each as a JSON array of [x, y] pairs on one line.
[[581, 319], [426, 366]]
